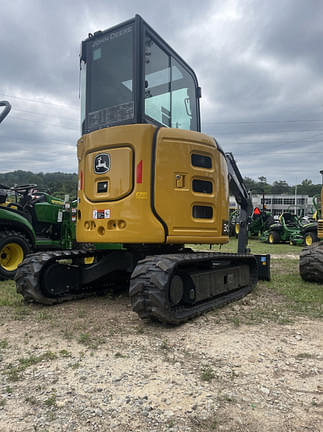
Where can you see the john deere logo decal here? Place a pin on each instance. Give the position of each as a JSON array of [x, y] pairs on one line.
[[102, 163]]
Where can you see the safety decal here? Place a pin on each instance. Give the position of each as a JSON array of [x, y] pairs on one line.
[[102, 214]]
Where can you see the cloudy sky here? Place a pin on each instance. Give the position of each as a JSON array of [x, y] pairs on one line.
[[259, 63]]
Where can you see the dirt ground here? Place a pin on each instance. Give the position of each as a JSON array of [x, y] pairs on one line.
[[94, 365]]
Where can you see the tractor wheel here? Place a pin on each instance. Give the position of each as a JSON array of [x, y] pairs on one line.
[[310, 237], [311, 263], [236, 229], [273, 237], [14, 246]]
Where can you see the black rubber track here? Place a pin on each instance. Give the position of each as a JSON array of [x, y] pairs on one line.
[[311, 263], [28, 276], [150, 280]]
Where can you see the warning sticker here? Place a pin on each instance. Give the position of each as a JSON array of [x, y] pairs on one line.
[[101, 214]]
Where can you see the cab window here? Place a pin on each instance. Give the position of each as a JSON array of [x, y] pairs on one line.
[[170, 92]]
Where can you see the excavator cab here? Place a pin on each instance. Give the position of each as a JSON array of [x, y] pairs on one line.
[[130, 75], [146, 173]]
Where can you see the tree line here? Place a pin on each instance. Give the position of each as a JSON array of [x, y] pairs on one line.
[[60, 184], [306, 187]]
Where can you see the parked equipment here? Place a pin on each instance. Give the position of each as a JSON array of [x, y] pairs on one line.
[[307, 235], [289, 228], [233, 222], [260, 221], [149, 183], [32, 221], [309, 229], [311, 257], [284, 230]]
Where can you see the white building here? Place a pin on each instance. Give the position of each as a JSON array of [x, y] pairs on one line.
[[302, 205]]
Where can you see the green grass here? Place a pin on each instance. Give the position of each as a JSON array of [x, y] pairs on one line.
[[207, 373], [278, 301], [3, 344], [51, 401], [91, 340], [255, 245], [303, 297], [8, 294], [14, 372]]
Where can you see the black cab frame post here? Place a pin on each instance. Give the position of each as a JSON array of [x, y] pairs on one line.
[[5, 112]]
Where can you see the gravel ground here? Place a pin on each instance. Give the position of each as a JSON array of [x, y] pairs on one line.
[[93, 365]]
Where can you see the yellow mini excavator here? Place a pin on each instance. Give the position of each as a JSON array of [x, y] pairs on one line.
[[149, 184]]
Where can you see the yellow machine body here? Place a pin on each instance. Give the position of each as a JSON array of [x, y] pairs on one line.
[[162, 186]]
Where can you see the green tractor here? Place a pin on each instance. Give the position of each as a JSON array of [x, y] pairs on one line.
[[309, 230], [30, 221], [306, 236], [258, 222], [287, 229]]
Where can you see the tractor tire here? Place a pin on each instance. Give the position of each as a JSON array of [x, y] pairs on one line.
[[310, 237], [273, 237], [311, 263], [269, 221], [237, 229], [14, 246]]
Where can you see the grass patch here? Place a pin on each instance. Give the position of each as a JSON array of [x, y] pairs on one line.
[[32, 360], [51, 401], [280, 300], [164, 345], [3, 344], [120, 355], [305, 355], [90, 340], [43, 316], [14, 372], [255, 245], [21, 312], [75, 365], [65, 353], [31, 400], [8, 294], [302, 297], [207, 373], [236, 321], [205, 425]]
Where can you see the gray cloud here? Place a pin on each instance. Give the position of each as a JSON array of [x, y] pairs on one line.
[[259, 64]]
